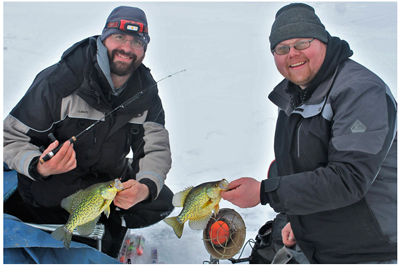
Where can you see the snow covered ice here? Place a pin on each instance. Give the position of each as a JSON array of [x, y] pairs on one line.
[[220, 120]]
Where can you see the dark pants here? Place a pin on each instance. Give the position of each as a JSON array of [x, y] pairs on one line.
[[138, 216]]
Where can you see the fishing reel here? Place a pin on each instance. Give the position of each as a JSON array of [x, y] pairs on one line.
[[224, 235]]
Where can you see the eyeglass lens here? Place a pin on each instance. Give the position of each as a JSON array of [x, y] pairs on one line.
[[121, 39], [301, 45]]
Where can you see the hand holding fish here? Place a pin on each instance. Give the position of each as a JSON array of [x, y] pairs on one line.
[[243, 192], [61, 162], [133, 193]]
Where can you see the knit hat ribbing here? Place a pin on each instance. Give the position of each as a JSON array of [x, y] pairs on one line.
[[127, 13], [296, 21]]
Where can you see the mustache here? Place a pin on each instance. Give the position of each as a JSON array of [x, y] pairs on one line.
[[120, 68]]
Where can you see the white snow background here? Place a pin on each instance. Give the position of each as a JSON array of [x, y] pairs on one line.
[[220, 120]]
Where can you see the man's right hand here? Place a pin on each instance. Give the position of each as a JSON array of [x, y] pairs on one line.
[[63, 161], [243, 192], [288, 236]]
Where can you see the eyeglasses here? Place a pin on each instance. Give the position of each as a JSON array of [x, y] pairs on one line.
[[121, 39], [301, 45]]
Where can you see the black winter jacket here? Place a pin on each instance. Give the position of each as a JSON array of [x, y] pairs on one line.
[[67, 98], [336, 156]]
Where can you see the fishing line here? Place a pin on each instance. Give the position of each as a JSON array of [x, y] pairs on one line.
[[73, 139], [223, 58], [158, 114]]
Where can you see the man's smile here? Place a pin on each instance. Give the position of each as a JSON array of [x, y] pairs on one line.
[[297, 64], [125, 57]]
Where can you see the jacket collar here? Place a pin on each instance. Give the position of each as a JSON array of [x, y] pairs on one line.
[[281, 98]]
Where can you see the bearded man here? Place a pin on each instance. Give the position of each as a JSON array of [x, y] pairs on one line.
[[93, 77]]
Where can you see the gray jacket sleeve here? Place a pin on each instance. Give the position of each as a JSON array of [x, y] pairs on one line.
[[157, 160], [18, 152], [26, 123]]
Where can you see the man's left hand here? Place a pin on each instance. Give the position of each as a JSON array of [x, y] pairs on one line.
[[133, 193]]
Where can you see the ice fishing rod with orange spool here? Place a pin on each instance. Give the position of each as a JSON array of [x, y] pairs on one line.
[[73, 139]]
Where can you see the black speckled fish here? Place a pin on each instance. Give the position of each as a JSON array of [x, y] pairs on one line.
[[197, 203], [85, 208]]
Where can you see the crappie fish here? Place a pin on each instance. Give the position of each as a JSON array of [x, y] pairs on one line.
[[85, 208], [197, 203]]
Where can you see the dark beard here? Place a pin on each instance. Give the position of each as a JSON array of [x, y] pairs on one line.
[[123, 69]]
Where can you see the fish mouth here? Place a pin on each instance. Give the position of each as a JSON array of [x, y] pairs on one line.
[[223, 184], [118, 185]]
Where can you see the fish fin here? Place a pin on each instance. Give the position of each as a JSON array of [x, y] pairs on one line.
[[179, 198], [107, 211], [67, 203], [63, 234], [106, 208], [200, 223], [216, 209], [207, 204], [175, 224], [87, 228]]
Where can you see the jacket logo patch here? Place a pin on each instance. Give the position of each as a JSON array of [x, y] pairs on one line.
[[358, 127], [83, 111]]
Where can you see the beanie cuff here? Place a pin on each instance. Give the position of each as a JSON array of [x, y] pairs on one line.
[[298, 30], [144, 37]]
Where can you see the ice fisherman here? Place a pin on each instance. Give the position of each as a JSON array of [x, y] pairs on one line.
[[93, 77], [334, 180]]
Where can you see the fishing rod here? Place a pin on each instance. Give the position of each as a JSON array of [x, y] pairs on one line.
[[48, 156]]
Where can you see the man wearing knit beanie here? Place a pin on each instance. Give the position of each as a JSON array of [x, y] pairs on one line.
[[297, 21], [334, 178], [135, 15], [124, 24], [96, 76]]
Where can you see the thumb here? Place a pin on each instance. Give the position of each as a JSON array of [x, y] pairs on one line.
[[222, 193]]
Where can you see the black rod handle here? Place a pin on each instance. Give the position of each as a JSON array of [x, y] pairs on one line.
[[55, 150]]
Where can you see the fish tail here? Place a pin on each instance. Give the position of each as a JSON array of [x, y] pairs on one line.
[[62, 233], [175, 224]]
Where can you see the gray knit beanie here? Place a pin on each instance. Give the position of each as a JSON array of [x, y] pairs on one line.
[[296, 21], [127, 20]]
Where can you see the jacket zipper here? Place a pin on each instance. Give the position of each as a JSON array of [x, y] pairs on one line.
[[298, 138]]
